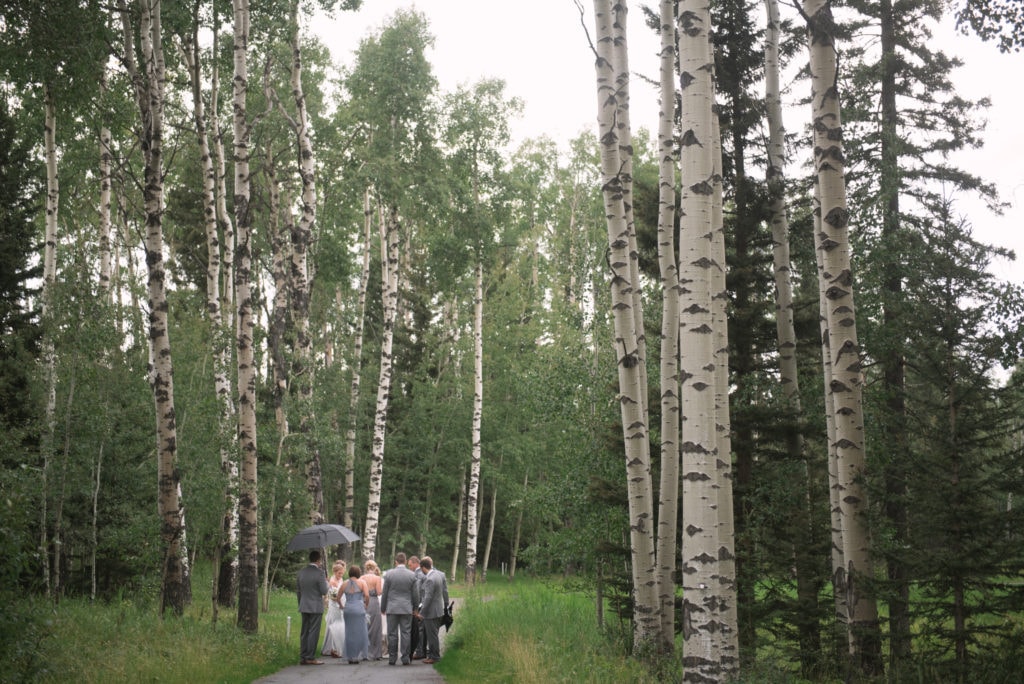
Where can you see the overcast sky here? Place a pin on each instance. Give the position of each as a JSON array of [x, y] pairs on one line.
[[541, 51]]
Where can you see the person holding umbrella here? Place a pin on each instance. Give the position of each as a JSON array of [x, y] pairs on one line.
[[310, 589]]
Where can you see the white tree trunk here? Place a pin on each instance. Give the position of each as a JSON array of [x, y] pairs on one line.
[[149, 88], [302, 238], [846, 387], [226, 561], [248, 580], [728, 616], [632, 400], [701, 644], [668, 490], [389, 275], [357, 366], [473, 498], [49, 278]]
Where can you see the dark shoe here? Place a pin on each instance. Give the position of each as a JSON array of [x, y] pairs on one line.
[[405, 662], [391, 662], [417, 657], [312, 662]]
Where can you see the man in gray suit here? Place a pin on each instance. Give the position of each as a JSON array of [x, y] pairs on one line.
[[311, 588], [399, 600], [435, 599]]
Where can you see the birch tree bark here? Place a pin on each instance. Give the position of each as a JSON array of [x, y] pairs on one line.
[[832, 241], [301, 237], [225, 557], [149, 89], [357, 365], [726, 601], [48, 352], [702, 652], [632, 402], [473, 496], [248, 580], [668, 490], [390, 240]]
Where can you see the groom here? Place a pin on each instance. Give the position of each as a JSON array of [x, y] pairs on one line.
[[311, 588]]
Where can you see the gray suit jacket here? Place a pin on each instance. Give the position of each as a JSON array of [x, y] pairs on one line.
[[311, 588], [435, 594], [401, 592]]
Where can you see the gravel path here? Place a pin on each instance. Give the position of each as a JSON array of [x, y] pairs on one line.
[[366, 672]]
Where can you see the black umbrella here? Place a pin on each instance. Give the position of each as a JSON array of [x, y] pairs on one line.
[[321, 536]]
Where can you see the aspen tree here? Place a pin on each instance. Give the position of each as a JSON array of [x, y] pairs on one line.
[[248, 601], [846, 386], [628, 352], [668, 490]]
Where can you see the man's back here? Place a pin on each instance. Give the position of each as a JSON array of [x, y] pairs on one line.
[[400, 591]]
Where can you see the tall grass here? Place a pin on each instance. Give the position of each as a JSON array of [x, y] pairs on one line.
[[126, 641], [532, 631]]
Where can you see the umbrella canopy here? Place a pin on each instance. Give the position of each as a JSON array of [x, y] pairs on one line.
[[320, 536]]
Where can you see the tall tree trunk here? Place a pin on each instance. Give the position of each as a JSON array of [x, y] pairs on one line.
[[668, 490], [389, 277], [458, 524], [104, 207], [785, 331], [280, 259], [702, 651], [473, 498], [357, 366], [846, 387], [150, 99], [248, 580], [49, 355], [725, 575], [58, 508], [94, 527], [302, 237], [839, 592], [632, 402], [225, 558], [490, 532]]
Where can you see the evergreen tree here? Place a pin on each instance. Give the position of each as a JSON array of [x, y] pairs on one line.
[[20, 187]]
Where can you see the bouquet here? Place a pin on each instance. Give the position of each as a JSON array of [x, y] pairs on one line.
[[332, 593]]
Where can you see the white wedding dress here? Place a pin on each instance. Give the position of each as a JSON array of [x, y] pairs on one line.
[[334, 639]]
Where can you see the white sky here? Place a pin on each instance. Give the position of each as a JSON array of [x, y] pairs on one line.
[[540, 49]]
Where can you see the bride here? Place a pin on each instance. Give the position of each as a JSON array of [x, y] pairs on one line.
[[334, 640]]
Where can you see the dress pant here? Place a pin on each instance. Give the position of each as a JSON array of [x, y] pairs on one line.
[[431, 632], [417, 637], [399, 626], [309, 637]]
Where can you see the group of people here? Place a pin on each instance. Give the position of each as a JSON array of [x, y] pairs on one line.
[[412, 596]]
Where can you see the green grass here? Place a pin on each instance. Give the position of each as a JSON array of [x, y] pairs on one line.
[[526, 631], [126, 641], [532, 631]]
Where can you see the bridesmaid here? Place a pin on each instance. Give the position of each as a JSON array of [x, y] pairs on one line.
[[357, 598], [375, 584]]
